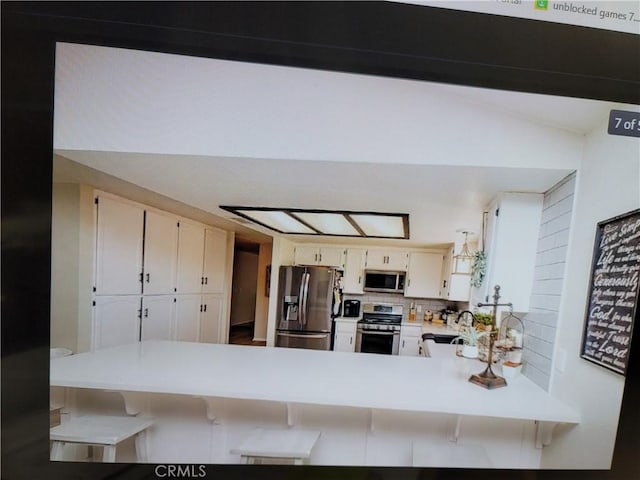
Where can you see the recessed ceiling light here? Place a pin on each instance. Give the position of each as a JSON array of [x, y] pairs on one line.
[[326, 222]]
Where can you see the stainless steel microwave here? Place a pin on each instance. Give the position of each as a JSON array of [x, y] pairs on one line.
[[381, 281]]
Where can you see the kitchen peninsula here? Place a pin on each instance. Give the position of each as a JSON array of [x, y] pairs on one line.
[[369, 408]]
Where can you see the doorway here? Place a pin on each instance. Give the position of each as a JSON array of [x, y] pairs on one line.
[[249, 302]]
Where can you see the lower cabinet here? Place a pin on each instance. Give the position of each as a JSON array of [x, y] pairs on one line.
[[410, 340], [187, 320], [158, 313], [116, 320], [211, 326], [345, 336], [122, 319], [198, 318]]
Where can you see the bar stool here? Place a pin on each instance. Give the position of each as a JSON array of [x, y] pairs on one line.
[[101, 431], [277, 446]]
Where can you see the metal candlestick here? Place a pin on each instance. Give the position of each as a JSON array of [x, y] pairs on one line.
[[488, 379]]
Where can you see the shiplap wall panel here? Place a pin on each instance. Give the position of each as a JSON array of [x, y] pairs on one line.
[[540, 323]]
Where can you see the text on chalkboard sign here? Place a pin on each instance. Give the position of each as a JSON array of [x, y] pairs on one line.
[[613, 293]]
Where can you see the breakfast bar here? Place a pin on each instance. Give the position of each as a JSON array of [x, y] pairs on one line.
[[432, 392]]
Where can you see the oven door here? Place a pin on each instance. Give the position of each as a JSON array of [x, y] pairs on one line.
[[386, 342]]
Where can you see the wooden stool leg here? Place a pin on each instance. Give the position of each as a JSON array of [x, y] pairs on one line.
[[109, 454], [141, 447], [57, 451]]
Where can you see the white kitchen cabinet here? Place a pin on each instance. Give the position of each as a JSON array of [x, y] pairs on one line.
[[345, 335], [455, 286], [160, 253], [215, 259], [158, 313], [353, 280], [325, 256], [459, 287], [513, 226], [211, 318], [410, 340], [120, 227], [381, 259], [187, 317], [424, 277], [190, 257], [116, 320]]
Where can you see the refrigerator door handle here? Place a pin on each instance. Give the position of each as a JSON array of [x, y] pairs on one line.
[[295, 335], [303, 302]]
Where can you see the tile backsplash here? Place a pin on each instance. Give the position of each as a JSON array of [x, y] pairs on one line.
[[433, 304]]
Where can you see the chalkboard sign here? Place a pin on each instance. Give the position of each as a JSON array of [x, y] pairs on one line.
[[612, 304]]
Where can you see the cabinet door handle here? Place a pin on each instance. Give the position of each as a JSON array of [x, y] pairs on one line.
[[409, 283], [320, 258], [141, 277], [206, 280], [350, 340], [146, 313], [148, 277], [201, 307], [402, 343], [201, 280], [360, 279], [205, 307], [444, 284]]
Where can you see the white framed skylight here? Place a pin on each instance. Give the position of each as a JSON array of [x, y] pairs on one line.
[[339, 223]]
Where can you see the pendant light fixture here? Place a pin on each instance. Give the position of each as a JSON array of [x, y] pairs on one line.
[[462, 261]]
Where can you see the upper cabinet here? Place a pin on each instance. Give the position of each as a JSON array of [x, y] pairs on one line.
[[190, 257], [424, 276], [324, 256], [353, 280], [215, 259], [512, 237], [386, 259], [455, 286], [120, 229], [160, 253]]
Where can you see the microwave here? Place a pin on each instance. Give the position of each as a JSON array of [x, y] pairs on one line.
[[381, 281]]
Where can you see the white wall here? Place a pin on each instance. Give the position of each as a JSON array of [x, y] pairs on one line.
[[607, 184], [262, 301], [64, 265], [283, 254], [197, 106], [540, 324], [72, 250]]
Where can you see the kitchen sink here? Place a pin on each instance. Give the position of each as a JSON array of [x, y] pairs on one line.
[[438, 337]]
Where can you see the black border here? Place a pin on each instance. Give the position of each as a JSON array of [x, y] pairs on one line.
[[378, 38], [596, 253]]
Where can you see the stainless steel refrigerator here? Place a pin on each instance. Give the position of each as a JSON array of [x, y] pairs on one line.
[[308, 299]]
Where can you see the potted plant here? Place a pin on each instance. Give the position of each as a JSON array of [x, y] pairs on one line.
[[484, 319], [469, 339]]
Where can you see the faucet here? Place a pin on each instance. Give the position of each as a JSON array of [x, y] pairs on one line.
[[473, 318]]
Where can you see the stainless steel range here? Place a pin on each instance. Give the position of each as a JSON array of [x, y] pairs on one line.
[[379, 329]]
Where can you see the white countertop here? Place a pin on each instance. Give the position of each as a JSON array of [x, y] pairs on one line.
[[437, 384]]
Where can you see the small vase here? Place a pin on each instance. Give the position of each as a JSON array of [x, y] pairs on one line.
[[469, 351]]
